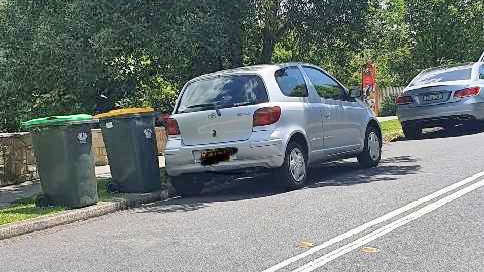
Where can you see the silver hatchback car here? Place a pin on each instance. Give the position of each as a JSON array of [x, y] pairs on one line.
[[282, 117], [444, 97]]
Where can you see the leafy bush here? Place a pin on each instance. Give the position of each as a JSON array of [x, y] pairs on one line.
[[389, 107], [159, 95]]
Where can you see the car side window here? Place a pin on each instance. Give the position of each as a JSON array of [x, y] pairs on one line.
[[481, 72], [291, 82], [325, 86]]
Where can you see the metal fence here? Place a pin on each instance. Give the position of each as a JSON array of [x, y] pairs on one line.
[[17, 160]]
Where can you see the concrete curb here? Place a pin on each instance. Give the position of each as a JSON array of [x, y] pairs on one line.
[[387, 118], [68, 217]]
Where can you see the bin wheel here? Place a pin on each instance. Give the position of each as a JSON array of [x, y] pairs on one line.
[[42, 201], [112, 188]]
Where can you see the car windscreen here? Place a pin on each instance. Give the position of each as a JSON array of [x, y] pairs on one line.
[[223, 92], [441, 75]]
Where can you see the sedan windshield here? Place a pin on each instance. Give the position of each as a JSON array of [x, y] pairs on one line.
[[223, 92]]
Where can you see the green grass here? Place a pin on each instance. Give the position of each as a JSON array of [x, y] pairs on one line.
[[24, 209], [102, 191], [392, 130]]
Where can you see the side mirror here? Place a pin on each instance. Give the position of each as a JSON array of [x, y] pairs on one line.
[[355, 92]]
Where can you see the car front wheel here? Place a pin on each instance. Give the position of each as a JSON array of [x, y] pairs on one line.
[[371, 154]]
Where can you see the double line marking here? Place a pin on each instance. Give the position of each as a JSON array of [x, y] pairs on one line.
[[382, 230]]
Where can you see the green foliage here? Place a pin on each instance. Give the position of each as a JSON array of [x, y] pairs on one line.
[[388, 106], [445, 31], [56, 56]]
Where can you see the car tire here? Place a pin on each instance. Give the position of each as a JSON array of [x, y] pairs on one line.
[[293, 173], [411, 131], [112, 188], [186, 185], [371, 155]]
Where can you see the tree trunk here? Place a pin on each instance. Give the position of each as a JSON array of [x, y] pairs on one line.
[[234, 31], [236, 52], [269, 42]]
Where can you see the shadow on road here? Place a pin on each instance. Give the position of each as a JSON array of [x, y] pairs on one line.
[[341, 173], [458, 131], [344, 173]]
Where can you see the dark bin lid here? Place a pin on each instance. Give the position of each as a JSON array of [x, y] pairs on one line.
[[58, 120]]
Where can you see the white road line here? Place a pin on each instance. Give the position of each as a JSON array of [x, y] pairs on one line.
[[374, 222], [317, 263]]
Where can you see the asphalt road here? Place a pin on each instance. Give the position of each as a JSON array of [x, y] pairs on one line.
[[422, 209]]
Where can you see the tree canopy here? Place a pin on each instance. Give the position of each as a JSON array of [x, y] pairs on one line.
[[57, 55]]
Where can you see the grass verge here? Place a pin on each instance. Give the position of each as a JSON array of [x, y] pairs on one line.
[[392, 130], [24, 209]]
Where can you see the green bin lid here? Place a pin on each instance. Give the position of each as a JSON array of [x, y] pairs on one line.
[[57, 120]]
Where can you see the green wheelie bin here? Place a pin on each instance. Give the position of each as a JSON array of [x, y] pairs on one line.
[[62, 147], [130, 140]]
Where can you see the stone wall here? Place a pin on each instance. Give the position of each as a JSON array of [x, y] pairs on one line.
[[98, 148], [17, 160]]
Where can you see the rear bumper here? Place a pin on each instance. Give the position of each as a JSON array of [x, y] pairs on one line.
[[253, 153], [469, 109]]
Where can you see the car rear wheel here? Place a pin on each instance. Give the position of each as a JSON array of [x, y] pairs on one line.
[[411, 131], [371, 155], [293, 173], [187, 185]]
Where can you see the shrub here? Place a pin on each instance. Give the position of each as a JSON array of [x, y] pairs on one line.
[[389, 107]]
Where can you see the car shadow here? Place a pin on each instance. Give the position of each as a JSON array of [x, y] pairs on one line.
[[340, 173], [458, 131], [346, 173]]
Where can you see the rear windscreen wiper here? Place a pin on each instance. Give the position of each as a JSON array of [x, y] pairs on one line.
[[202, 105], [214, 105]]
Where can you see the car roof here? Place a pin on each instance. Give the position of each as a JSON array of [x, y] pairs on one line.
[[439, 70], [254, 69]]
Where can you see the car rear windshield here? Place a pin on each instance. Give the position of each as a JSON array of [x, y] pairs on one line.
[[441, 75], [223, 92]]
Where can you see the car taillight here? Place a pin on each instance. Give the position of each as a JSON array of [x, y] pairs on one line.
[[404, 100], [267, 116], [172, 128], [467, 92]]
